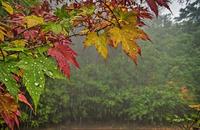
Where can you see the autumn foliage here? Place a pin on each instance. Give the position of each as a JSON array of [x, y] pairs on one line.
[[35, 41]]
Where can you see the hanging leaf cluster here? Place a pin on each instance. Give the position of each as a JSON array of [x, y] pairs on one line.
[[35, 42]]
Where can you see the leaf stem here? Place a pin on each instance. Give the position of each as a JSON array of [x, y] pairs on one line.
[[76, 34], [104, 18]]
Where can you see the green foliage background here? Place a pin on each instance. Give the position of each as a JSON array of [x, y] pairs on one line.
[[118, 90]]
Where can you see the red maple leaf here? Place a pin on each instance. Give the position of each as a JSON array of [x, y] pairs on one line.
[[152, 4], [9, 110], [164, 3], [63, 55], [23, 99]]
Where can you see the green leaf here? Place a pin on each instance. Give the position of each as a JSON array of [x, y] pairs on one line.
[[33, 20], [34, 71], [7, 78], [7, 7], [61, 13], [66, 24], [29, 3], [16, 45], [34, 81], [13, 48], [50, 68], [54, 27], [33, 78], [42, 49], [87, 10], [11, 67]]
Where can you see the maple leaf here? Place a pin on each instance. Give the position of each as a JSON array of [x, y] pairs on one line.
[[33, 75], [7, 79], [54, 27], [31, 34], [16, 45], [23, 99], [61, 39], [62, 62], [9, 110], [5, 31], [164, 3], [127, 36], [19, 43], [99, 41], [125, 17], [33, 20], [196, 107], [63, 55], [7, 7], [18, 19], [142, 13], [152, 4], [34, 81]]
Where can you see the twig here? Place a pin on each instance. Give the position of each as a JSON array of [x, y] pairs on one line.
[[104, 18], [3, 24], [36, 46], [103, 27], [115, 17], [76, 34]]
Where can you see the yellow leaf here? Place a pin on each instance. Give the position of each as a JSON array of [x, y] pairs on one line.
[[2, 54], [33, 20], [125, 17], [128, 18], [10, 34], [19, 43], [2, 28], [5, 32], [84, 31], [9, 108], [197, 107], [127, 36], [100, 42], [87, 10], [2, 35], [20, 73], [7, 7]]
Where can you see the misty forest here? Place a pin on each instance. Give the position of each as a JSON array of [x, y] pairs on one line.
[[99, 65]]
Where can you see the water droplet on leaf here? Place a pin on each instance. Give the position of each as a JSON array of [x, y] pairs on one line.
[[36, 84], [50, 73]]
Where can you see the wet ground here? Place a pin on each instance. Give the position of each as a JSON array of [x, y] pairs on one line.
[[105, 127], [108, 128]]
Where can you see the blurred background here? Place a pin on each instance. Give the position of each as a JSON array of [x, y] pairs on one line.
[[117, 93]]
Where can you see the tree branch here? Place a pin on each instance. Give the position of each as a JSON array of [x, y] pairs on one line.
[[115, 17]]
